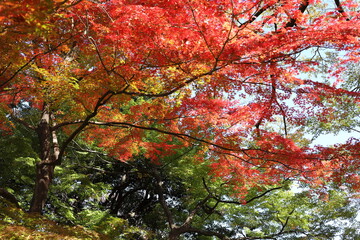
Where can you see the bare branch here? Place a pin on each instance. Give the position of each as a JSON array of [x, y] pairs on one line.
[[263, 194]]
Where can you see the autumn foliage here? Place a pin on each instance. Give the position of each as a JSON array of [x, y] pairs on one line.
[[222, 75]]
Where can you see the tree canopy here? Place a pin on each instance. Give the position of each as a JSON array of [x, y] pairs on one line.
[[215, 96]]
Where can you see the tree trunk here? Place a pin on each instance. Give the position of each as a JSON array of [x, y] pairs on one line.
[[44, 175], [174, 236], [45, 168], [176, 231], [9, 197]]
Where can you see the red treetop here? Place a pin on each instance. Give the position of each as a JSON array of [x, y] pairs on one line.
[[219, 74]]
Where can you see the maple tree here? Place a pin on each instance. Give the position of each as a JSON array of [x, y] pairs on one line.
[[212, 73]]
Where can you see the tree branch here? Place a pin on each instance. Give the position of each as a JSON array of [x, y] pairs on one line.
[[263, 194], [217, 198], [31, 60], [255, 15], [101, 101], [19, 120], [55, 142], [187, 136], [171, 91], [286, 222], [160, 190], [341, 9], [302, 9], [194, 211]]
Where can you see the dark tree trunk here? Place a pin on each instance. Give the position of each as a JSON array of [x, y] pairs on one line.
[[174, 235], [8, 196], [45, 168], [44, 175]]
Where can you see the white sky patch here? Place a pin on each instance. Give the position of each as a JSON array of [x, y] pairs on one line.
[[331, 139]]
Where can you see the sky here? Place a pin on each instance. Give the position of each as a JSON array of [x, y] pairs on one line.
[[331, 139]]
